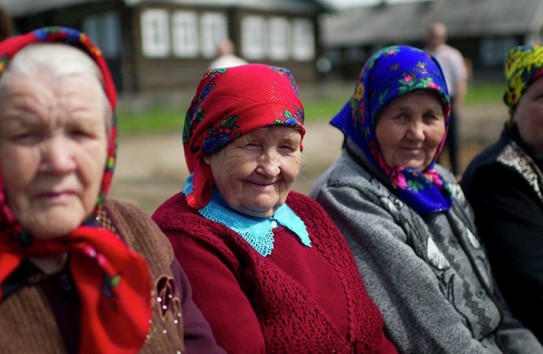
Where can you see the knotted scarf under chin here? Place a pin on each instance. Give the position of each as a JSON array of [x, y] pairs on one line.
[[113, 283]]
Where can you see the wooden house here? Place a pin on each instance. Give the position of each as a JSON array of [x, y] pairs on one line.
[[483, 30], [156, 46]]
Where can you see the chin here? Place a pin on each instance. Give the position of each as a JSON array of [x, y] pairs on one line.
[[56, 224]]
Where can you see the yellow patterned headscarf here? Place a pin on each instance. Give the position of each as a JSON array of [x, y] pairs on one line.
[[524, 65]]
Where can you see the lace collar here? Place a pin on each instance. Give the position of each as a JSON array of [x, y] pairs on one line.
[[258, 232]]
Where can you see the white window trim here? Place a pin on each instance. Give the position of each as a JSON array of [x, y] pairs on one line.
[[279, 38], [213, 29], [155, 33], [303, 39], [185, 34], [253, 33]]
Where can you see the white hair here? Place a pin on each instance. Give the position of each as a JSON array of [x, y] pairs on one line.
[[57, 60]]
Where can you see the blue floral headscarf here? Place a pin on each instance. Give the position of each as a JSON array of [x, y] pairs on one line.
[[388, 74]]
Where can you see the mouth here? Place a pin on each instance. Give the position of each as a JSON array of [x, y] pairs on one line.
[[53, 196], [412, 150], [262, 185]]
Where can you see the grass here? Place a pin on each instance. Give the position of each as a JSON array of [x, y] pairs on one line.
[[320, 103], [484, 93]]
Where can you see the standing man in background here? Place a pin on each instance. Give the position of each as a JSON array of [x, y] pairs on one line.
[[226, 56], [453, 66]]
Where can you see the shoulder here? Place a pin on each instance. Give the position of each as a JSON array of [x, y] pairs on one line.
[[486, 164], [174, 213], [305, 206], [345, 173], [185, 227], [136, 227], [127, 216]]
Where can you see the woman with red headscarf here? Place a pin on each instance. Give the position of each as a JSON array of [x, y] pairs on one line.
[[78, 272], [269, 269]]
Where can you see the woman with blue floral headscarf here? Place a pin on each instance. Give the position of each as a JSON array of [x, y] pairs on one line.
[[405, 217]]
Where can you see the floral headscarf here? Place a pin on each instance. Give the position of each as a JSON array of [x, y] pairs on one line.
[[228, 103], [389, 73], [112, 281], [523, 66]]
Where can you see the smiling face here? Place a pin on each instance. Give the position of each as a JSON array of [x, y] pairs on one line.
[[410, 129], [255, 172], [528, 116], [53, 150]]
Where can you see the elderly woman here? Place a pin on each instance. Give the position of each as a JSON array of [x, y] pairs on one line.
[[505, 187], [78, 272], [269, 269], [405, 218]]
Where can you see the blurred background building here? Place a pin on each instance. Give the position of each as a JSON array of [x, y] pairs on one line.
[[483, 30], [156, 46], [161, 45]]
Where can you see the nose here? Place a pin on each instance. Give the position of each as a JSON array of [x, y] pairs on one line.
[[269, 163], [57, 155], [415, 131]]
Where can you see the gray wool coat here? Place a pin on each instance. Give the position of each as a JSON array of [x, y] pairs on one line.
[[429, 275]]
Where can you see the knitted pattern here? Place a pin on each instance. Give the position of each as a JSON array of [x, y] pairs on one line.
[[290, 318]]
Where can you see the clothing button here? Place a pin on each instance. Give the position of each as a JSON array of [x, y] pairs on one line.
[[480, 293], [453, 242], [274, 224], [65, 282]]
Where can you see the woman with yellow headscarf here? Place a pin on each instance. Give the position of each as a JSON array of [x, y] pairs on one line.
[[505, 187]]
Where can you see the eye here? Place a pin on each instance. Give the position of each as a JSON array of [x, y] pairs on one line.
[[401, 117], [80, 133], [26, 137], [431, 117], [251, 145], [288, 148]]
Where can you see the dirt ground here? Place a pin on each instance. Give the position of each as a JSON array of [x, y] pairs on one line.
[[152, 168]]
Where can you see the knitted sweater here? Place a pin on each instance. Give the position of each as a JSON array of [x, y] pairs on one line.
[[41, 315], [428, 274], [509, 217], [297, 300]]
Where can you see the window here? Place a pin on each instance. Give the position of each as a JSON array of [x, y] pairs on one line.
[[279, 38], [213, 30], [303, 45], [253, 39], [155, 33], [185, 34], [104, 30], [494, 50]]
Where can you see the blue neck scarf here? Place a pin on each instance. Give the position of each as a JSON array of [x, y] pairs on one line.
[[258, 232], [388, 74]]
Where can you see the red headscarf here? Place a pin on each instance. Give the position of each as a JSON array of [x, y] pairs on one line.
[[228, 103], [113, 282]]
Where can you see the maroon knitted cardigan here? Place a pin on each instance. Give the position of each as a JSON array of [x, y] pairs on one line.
[[283, 302]]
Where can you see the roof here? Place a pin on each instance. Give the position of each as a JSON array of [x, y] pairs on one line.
[[24, 7], [410, 21], [20, 7]]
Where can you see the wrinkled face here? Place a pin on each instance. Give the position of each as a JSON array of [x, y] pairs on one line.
[[528, 116], [53, 150], [410, 129], [255, 172]]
